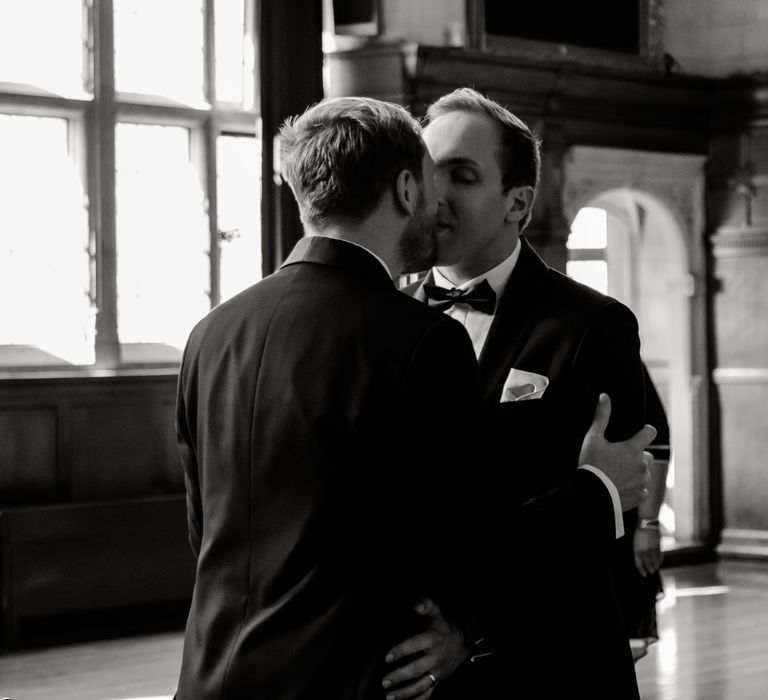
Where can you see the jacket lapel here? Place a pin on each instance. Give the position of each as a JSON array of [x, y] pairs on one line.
[[514, 321]]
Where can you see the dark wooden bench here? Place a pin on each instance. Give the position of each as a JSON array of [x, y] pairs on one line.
[[91, 556]]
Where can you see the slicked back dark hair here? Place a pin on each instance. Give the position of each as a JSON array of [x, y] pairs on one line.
[[342, 154], [519, 157]]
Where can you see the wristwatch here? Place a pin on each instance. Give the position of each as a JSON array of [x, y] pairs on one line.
[[649, 524]]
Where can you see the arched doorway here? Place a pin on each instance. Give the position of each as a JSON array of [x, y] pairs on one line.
[[650, 256]]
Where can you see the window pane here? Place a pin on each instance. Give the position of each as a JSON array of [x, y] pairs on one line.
[[41, 44], [239, 192], [589, 229], [593, 273], [159, 48], [234, 54], [46, 315], [162, 241]]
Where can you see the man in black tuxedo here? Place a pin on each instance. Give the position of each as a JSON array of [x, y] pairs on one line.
[[325, 495], [547, 347]]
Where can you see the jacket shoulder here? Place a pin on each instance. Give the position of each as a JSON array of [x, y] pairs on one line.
[[580, 300]]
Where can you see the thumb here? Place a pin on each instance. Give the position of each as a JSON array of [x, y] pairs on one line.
[[602, 415], [644, 437]]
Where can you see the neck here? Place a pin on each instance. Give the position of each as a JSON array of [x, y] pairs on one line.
[[368, 234]]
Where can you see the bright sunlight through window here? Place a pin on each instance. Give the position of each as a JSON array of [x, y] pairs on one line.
[[146, 61], [589, 229], [163, 268], [586, 249], [46, 314], [239, 183], [47, 54]]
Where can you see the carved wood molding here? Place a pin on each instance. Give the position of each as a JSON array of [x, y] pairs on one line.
[[743, 242]]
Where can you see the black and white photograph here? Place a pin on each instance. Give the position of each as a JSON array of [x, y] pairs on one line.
[[383, 350]]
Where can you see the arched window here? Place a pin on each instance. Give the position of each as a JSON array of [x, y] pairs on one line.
[[587, 262]]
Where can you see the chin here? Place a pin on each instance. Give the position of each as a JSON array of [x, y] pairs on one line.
[[448, 252]]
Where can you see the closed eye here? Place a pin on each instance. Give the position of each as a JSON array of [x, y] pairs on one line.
[[464, 175]]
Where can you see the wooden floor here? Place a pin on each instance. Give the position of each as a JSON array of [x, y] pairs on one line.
[[714, 646]]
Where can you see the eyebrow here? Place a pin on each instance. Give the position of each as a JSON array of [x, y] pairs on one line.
[[456, 160]]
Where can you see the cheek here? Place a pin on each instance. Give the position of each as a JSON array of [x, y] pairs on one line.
[[471, 210]]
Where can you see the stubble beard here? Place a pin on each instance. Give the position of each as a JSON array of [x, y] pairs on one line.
[[418, 243]]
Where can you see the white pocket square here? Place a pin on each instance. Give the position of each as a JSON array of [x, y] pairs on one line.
[[523, 386]]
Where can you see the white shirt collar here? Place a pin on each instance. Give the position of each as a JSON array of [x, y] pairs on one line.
[[497, 276]]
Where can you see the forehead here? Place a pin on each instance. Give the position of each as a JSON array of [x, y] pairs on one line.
[[463, 135]]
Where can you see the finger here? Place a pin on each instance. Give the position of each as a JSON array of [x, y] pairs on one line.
[[654, 562], [643, 437], [421, 683], [410, 672], [648, 461], [602, 415], [414, 645], [427, 607], [639, 565]]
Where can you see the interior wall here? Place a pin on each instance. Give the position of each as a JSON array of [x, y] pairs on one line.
[[713, 38], [738, 214], [432, 22], [717, 37]]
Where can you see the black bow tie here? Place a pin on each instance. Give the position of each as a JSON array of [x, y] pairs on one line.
[[479, 296]]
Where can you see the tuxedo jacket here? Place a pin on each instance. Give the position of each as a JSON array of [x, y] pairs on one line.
[[585, 343], [325, 491]]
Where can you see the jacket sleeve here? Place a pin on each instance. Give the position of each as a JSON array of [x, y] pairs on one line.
[[186, 443], [608, 360]]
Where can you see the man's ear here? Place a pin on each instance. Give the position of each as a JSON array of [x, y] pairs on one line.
[[406, 192], [519, 203]]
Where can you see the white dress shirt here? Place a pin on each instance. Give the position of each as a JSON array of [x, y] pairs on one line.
[[478, 324]]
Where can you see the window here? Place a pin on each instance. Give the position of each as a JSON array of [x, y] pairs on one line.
[[47, 315], [130, 175], [587, 249]]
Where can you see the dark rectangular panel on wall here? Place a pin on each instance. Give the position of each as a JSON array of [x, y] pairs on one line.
[[123, 449], [598, 24], [28, 455]]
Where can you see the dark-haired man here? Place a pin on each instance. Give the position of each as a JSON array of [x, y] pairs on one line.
[[547, 347], [324, 497]]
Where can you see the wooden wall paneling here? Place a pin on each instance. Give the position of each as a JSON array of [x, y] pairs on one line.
[[123, 449], [88, 438], [73, 558], [28, 455], [570, 92]]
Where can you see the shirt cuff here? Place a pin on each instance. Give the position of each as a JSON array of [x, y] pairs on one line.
[[617, 514]]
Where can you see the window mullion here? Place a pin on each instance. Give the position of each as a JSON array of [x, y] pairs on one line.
[[209, 49], [209, 151], [211, 130], [103, 185]]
